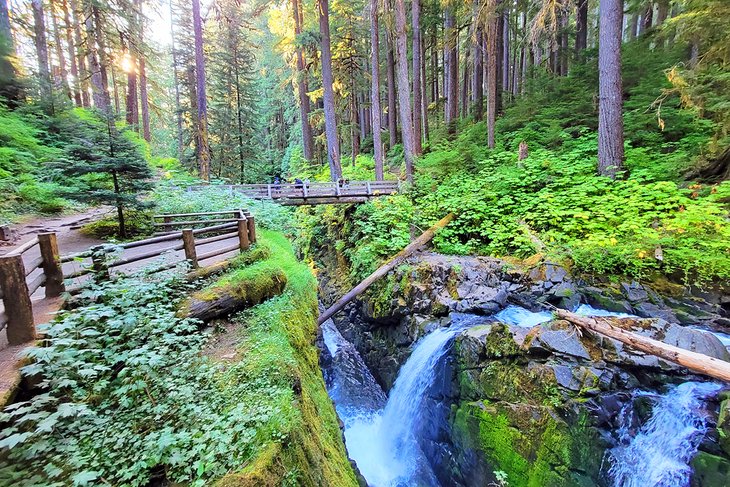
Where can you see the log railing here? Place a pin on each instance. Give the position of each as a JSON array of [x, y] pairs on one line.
[[19, 278]]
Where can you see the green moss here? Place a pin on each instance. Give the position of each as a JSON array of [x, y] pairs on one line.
[[277, 340], [529, 443]]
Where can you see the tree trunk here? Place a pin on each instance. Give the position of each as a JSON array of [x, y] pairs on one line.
[[647, 18], [203, 147], [417, 94], [178, 109], [41, 50], [631, 28], [132, 102], [333, 147], [581, 27], [83, 79], [404, 102], [492, 42], [6, 32], [392, 111], [375, 90], [63, 73], [424, 90], [478, 56], [303, 86], [452, 63], [504, 70], [143, 96], [75, 86], [499, 56], [465, 85], [662, 11], [564, 45], [610, 121]]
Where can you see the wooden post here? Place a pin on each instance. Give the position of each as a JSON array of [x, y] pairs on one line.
[[168, 224], [243, 240], [189, 247], [98, 262], [51, 264], [18, 306], [251, 223], [268, 189]]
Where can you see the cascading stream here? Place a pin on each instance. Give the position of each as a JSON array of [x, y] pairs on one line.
[[659, 454], [382, 433]]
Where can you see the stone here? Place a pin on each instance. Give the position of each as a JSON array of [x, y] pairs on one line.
[[634, 292], [565, 342], [710, 470], [555, 273], [723, 426], [696, 341], [651, 310]]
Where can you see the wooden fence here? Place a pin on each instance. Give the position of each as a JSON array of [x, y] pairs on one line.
[[310, 192], [19, 279]]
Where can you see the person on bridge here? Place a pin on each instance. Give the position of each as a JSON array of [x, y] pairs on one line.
[[298, 184]]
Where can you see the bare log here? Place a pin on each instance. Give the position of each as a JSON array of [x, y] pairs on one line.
[[385, 268], [696, 362]]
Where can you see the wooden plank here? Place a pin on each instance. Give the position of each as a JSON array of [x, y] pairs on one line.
[[193, 222], [180, 215], [146, 255], [33, 285], [385, 268], [21, 249], [33, 265], [224, 236], [696, 362], [214, 253], [243, 240]]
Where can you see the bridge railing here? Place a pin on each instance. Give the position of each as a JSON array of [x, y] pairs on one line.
[[21, 274], [308, 190]]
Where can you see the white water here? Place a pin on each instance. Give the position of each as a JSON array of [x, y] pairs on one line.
[[381, 437], [658, 455]]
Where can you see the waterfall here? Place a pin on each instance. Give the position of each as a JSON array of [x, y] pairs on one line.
[[658, 455], [383, 440]]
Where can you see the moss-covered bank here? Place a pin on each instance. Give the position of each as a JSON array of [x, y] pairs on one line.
[[278, 339]]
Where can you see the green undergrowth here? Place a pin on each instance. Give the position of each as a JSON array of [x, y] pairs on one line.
[[127, 398], [651, 222]]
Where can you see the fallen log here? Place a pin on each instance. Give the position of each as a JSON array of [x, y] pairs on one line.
[[385, 268], [696, 362], [223, 300]]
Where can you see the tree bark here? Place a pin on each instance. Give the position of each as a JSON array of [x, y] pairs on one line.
[[581, 27], [610, 121], [478, 56], [131, 98], [60, 55], [75, 85], [452, 62], [41, 50], [492, 42], [424, 90], [83, 77], [465, 85], [178, 109], [203, 147], [404, 102], [392, 110], [647, 18], [381, 271], [375, 90], [303, 86], [631, 28], [6, 32], [330, 124], [417, 94], [143, 96]]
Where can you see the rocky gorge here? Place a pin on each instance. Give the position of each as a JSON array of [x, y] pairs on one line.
[[523, 399]]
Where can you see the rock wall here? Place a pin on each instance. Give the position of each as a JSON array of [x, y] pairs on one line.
[[538, 405]]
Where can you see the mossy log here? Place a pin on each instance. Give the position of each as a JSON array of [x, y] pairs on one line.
[[610, 327], [255, 254], [224, 300]]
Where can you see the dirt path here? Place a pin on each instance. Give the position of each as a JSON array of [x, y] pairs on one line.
[[66, 227]]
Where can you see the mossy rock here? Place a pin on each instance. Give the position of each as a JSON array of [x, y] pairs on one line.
[[531, 444], [710, 470]]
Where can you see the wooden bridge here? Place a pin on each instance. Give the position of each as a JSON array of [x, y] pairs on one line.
[[312, 193]]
